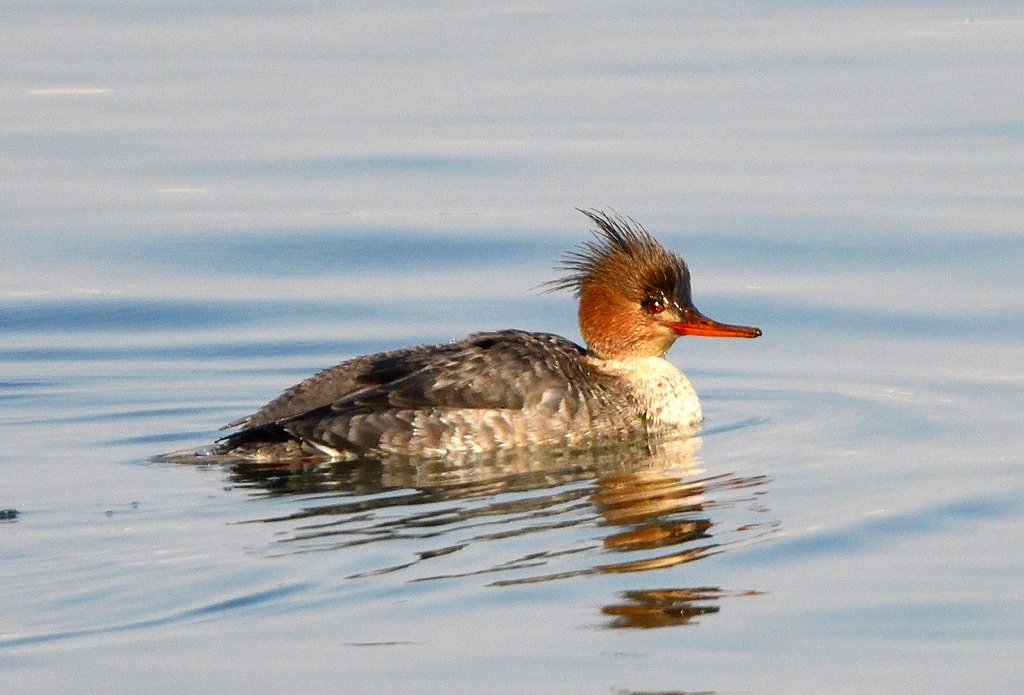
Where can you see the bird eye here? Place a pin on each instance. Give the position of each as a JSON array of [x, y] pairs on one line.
[[654, 306]]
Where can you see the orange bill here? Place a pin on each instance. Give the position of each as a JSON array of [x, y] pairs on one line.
[[695, 323]]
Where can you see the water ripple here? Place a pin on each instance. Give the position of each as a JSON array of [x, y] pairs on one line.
[[523, 519], [235, 603]]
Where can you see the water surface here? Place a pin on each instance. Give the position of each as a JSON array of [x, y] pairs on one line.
[[205, 204]]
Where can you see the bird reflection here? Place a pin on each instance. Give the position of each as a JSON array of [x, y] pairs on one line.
[[650, 504], [663, 607]]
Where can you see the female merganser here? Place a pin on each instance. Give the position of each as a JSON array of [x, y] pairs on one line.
[[507, 389]]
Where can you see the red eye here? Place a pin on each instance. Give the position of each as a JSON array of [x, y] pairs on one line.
[[654, 306]]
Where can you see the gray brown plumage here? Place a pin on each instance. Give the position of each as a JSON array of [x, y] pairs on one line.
[[511, 388]]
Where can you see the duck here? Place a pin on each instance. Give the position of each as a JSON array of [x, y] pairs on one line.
[[510, 390]]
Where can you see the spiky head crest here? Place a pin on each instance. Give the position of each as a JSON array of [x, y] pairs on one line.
[[623, 257]]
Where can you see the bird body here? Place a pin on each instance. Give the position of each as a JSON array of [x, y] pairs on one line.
[[509, 389]]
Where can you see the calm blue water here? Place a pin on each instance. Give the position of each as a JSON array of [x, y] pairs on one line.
[[204, 204]]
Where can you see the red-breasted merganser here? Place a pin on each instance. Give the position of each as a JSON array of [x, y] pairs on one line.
[[508, 389]]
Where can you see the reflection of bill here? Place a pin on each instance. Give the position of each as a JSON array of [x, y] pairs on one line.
[[651, 504], [666, 607], [662, 607]]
